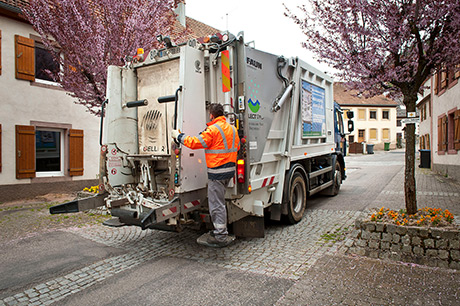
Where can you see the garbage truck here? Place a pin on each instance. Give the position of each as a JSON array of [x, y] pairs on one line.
[[292, 136]]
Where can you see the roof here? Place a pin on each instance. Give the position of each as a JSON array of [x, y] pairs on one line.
[[343, 96], [195, 29]]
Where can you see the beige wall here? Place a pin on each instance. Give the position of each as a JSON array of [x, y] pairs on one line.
[[24, 103], [379, 124]]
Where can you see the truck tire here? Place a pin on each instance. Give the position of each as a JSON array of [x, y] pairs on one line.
[[337, 181], [297, 200]]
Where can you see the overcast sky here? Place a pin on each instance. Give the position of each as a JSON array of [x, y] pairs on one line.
[[262, 21]]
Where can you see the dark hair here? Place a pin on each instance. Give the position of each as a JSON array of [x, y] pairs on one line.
[[216, 109]]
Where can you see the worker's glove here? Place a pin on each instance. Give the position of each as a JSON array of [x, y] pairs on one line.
[[175, 134]]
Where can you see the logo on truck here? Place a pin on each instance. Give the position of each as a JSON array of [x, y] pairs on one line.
[[254, 106]]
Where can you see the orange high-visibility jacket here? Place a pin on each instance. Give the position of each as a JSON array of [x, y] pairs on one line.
[[221, 143]]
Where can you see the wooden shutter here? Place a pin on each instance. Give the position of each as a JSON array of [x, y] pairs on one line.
[[439, 134], [75, 152], [25, 151], [457, 130], [444, 134], [25, 58]]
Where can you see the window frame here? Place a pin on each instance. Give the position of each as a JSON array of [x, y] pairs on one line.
[[61, 154], [372, 111], [383, 134], [361, 110], [371, 131], [387, 111]]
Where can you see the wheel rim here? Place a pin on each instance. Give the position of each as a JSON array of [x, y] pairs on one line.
[[297, 198], [338, 177]]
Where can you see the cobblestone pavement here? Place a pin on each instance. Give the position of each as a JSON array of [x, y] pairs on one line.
[[286, 252]]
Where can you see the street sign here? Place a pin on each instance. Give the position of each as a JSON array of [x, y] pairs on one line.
[[410, 120]]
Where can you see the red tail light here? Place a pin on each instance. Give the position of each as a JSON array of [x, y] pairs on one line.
[[240, 170]]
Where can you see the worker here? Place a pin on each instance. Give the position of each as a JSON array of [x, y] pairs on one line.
[[221, 143]]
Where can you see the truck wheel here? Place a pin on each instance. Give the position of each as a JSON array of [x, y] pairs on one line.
[[297, 199], [337, 181]]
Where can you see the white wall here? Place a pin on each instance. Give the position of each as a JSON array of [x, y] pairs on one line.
[[442, 104], [23, 102]]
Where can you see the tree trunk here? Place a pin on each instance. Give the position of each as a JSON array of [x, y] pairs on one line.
[[409, 177]]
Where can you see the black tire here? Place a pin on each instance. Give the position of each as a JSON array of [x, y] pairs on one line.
[[337, 181], [297, 201]]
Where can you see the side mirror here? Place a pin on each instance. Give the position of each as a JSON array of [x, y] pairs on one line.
[[350, 114], [351, 126]]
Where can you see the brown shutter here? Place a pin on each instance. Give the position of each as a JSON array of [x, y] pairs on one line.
[[75, 152], [457, 130], [25, 58], [436, 80], [444, 133], [25, 151], [440, 134]]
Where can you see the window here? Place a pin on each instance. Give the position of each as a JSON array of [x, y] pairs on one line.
[[398, 122], [44, 61], [351, 138], [446, 77], [373, 114], [361, 135], [386, 115], [40, 151], [373, 134], [361, 114], [453, 131], [49, 152], [386, 134], [32, 60]]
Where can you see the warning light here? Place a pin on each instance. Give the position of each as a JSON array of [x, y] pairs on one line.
[[249, 188], [140, 51], [240, 171]]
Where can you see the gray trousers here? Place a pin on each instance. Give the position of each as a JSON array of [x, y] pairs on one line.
[[217, 208]]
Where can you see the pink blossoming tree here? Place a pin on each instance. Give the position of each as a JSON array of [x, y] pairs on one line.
[[86, 36], [385, 46]]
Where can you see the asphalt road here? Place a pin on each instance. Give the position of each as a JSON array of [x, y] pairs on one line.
[[367, 176]]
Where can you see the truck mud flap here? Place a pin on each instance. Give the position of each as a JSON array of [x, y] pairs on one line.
[[249, 227], [79, 205]]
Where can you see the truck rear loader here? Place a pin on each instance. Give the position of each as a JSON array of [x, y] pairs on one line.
[[292, 136]]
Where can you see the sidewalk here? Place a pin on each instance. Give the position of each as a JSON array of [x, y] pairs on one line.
[[353, 280]]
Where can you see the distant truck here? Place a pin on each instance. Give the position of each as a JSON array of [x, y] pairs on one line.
[[292, 136]]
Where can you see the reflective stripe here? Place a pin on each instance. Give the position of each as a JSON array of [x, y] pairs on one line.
[[221, 170], [221, 151], [203, 143], [224, 140], [220, 226]]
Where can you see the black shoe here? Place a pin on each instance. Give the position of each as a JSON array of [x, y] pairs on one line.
[[210, 240]]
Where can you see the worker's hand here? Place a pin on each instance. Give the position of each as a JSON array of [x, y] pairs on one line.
[[175, 134]]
